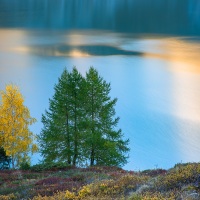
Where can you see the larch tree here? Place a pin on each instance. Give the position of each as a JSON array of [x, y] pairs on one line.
[[55, 139], [15, 137], [60, 138], [80, 125], [76, 110], [104, 144]]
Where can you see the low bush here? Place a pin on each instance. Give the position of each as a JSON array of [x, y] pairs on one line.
[[25, 166], [154, 172], [8, 197], [153, 196], [179, 176], [49, 166]]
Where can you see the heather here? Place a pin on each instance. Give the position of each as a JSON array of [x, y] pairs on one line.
[[42, 182]]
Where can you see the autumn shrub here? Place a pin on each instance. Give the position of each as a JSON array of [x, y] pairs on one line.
[[91, 177], [111, 188], [31, 175], [115, 175], [56, 196], [154, 172], [178, 176], [9, 188], [153, 196], [51, 185], [78, 177], [14, 189], [84, 176], [95, 183], [4, 177], [8, 175], [8, 197], [122, 186], [70, 195], [49, 181], [104, 169], [105, 189]]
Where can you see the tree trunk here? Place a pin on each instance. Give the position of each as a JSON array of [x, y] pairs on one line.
[[68, 143], [92, 157], [13, 162], [75, 133], [93, 132]]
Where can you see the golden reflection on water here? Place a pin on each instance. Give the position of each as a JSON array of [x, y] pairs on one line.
[[52, 52], [77, 53], [186, 96], [183, 54], [10, 38]]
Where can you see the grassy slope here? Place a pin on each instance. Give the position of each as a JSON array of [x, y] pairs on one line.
[[182, 181]]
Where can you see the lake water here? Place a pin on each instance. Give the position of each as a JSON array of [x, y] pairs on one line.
[[148, 50]]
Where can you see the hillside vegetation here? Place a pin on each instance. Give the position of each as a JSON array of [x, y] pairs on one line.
[[42, 182]]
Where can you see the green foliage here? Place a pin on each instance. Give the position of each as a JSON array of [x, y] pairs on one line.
[[80, 125], [49, 166], [2, 153], [103, 141], [25, 165], [38, 167], [60, 139], [4, 159]]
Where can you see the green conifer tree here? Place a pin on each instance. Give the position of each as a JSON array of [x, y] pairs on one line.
[[104, 144], [80, 124], [60, 137], [76, 111]]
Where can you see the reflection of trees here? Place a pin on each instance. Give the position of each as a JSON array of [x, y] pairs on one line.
[[148, 16], [90, 50], [194, 14]]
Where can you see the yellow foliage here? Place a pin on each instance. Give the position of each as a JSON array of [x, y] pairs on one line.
[[70, 195], [85, 191], [56, 196], [181, 174], [15, 137], [153, 196], [8, 197]]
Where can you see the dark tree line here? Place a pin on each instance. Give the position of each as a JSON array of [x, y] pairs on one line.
[[80, 126]]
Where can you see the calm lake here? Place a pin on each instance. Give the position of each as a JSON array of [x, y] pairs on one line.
[[148, 50]]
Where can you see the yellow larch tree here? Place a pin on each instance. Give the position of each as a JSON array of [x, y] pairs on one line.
[[15, 136]]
